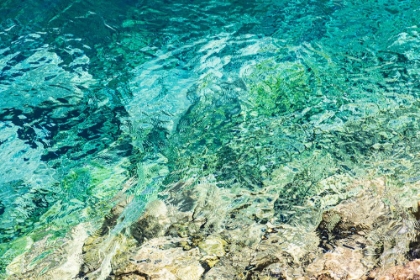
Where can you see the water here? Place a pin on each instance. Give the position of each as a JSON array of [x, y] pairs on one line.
[[106, 99]]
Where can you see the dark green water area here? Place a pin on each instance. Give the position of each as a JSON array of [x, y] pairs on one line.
[[265, 112]]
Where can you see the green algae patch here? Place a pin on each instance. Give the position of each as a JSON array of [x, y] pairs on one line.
[[279, 88]]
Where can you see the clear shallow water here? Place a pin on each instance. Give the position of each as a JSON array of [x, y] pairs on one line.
[[96, 95]]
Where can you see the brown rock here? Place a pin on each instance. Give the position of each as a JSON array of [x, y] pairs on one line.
[[342, 263], [410, 271]]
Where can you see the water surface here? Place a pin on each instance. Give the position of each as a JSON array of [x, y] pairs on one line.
[[95, 95]]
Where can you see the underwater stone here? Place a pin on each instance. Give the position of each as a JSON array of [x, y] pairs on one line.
[[248, 249], [131, 277], [153, 260], [61, 256], [411, 270], [234, 265], [275, 270], [342, 263], [152, 223], [213, 246]]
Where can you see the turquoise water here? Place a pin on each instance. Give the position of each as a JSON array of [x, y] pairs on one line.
[[105, 99]]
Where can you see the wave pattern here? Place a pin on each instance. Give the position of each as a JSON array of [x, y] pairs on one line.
[[110, 101]]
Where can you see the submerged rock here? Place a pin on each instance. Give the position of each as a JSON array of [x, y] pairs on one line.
[[219, 234], [213, 246], [50, 258], [161, 259], [103, 250], [224, 234], [409, 271], [153, 223], [341, 263]]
